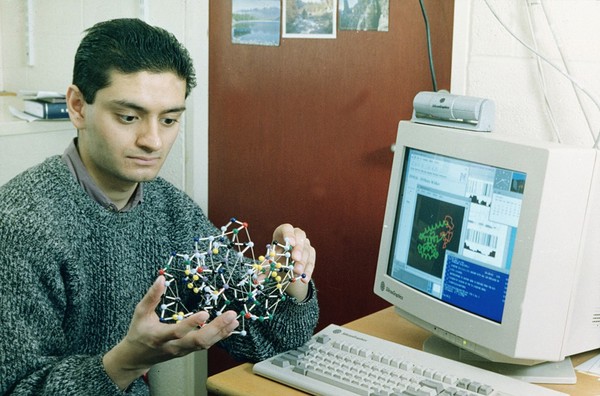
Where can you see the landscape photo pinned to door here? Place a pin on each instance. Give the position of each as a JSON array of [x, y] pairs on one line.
[[364, 15], [256, 22], [309, 19]]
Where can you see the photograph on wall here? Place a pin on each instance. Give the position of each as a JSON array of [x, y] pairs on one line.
[[309, 18], [256, 22], [364, 15]]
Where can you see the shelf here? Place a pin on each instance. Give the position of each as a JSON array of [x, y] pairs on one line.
[[11, 125]]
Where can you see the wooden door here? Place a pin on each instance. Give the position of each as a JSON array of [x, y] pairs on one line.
[[301, 133]]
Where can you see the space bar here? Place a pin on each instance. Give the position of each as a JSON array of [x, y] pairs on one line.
[[338, 383]]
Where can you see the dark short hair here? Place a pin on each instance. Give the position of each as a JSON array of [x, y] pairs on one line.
[[128, 46]]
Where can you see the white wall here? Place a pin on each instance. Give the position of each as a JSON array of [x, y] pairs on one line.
[[55, 34], [489, 62]]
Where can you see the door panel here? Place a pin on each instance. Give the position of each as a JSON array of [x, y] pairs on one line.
[[301, 133]]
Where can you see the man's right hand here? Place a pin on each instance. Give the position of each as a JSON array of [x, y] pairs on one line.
[[149, 341]]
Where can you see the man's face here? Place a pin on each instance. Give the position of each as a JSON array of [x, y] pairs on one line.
[[126, 134]]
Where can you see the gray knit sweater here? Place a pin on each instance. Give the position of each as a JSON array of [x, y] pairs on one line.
[[73, 271]]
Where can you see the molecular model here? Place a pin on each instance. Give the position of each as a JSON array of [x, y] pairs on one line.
[[217, 276], [442, 231]]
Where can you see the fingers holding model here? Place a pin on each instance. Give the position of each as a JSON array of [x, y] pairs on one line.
[[149, 341], [303, 254]]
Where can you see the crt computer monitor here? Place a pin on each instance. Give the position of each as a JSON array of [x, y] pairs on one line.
[[492, 243]]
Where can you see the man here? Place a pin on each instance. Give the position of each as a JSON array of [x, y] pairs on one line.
[[82, 235]]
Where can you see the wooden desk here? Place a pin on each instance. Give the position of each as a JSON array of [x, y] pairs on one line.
[[386, 324]]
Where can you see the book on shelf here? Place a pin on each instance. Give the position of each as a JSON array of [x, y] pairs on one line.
[[48, 109], [51, 99]]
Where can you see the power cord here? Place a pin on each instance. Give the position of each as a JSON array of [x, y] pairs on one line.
[[566, 75], [429, 52]]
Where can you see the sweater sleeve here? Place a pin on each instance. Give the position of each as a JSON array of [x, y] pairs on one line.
[[291, 326]]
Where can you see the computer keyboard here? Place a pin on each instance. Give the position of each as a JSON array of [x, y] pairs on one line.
[[339, 361]]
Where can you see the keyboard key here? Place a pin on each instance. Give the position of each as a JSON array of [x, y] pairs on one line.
[[485, 390], [281, 362], [438, 387], [341, 384]]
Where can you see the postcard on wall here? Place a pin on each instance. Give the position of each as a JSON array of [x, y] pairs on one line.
[[256, 22], [364, 15], [309, 18]]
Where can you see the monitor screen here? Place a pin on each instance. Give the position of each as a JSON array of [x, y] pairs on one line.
[[489, 242], [455, 231]]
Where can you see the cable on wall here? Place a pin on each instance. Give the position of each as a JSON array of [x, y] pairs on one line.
[[144, 10], [429, 52], [29, 34], [540, 69], [566, 75], [566, 65]]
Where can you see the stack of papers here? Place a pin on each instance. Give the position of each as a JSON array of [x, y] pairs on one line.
[[591, 366]]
